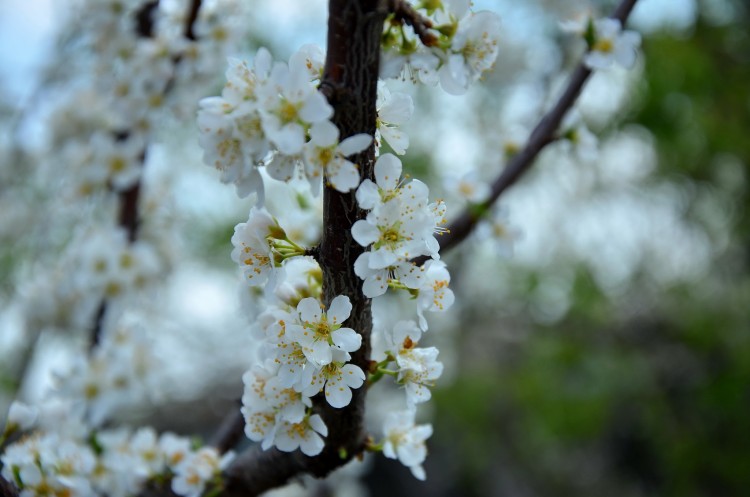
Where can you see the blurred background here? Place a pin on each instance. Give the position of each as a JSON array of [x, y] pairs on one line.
[[602, 348]]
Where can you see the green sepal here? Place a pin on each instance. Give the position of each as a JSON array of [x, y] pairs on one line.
[[590, 34]]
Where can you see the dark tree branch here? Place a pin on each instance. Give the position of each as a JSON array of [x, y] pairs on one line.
[[7, 489], [144, 19], [129, 215], [195, 7], [542, 135], [350, 84], [404, 12], [230, 432]]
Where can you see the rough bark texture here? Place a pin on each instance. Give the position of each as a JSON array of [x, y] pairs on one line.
[[350, 82], [7, 489], [351, 73]]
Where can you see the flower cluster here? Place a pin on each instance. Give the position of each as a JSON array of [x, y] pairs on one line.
[[607, 42], [145, 68], [271, 116], [127, 65], [465, 46], [116, 374], [400, 226], [99, 262], [260, 246], [307, 352], [115, 463], [405, 441]]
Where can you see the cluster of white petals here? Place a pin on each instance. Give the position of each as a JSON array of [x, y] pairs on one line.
[[405, 441], [467, 46], [116, 374], [394, 109], [418, 367], [127, 66], [400, 226], [111, 462], [609, 45], [306, 351], [271, 116], [99, 262]]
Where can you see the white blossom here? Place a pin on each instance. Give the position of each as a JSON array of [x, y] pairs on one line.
[[612, 45], [175, 449], [289, 104], [473, 51], [468, 187], [394, 109], [324, 155], [260, 417], [320, 332], [434, 294], [252, 249], [305, 435], [405, 441], [336, 378], [418, 367], [497, 229], [21, 416], [377, 280], [192, 475], [394, 234]]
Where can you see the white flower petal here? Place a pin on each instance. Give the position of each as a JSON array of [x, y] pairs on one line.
[[345, 177], [452, 76], [365, 233], [375, 285], [309, 310], [355, 144], [388, 171], [337, 393], [353, 375], [339, 310], [315, 108], [367, 194], [347, 339], [289, 139], [317, 424], [398, 110], [312, 445], [418, 472], [396, 139], [324, 134]]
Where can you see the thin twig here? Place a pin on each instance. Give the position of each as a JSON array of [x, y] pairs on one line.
[[195, 7], [542, 135], [404, 12]]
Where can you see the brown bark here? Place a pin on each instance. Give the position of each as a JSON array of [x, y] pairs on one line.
[[350, 82], [351, 72]]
